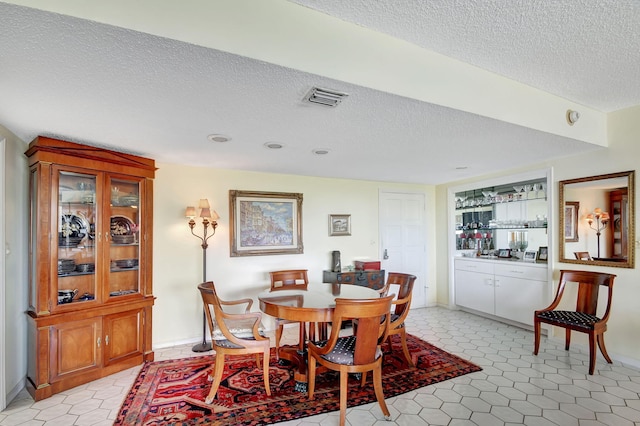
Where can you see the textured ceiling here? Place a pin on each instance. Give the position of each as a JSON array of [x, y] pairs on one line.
[[584, 50], [110, 86]]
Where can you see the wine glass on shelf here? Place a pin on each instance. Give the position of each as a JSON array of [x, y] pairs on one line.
[[523, 245]]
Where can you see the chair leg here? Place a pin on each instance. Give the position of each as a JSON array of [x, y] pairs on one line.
[[592, 353], [405, 348], [344, 376], [389, 344], [311, 376], [600, 339], [258, 360], [377, 385], [279, 329], [567, 339], [536, 333], [323, 331], [265, 369], [302, 334], [311, 333], [217, 378]]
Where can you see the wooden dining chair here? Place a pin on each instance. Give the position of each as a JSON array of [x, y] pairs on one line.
[[233, 334], [583, 318], [358, 353], [290, 279], [582, 255], [402, 286]]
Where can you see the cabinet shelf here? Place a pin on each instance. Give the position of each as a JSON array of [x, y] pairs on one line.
[[124, 269], [502, 228], [75, 274], [506, 201]]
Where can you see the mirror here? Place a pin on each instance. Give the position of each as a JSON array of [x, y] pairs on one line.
[[597, 220]]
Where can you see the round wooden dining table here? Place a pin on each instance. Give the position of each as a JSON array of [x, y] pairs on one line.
[[312, 306]]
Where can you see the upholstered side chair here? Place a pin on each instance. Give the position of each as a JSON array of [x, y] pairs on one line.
[[584, 318], [233, 334]]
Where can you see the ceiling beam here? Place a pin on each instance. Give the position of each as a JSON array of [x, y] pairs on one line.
[[293, 36]]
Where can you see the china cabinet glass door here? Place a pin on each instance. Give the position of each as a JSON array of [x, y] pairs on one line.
[[76, 218], [124, 237]]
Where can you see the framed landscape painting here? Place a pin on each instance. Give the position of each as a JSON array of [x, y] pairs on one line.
[[265, 223]]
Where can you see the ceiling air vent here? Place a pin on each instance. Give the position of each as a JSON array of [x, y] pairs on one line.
[[325, 97]]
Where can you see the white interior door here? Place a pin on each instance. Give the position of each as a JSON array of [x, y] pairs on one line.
[[403, 239]]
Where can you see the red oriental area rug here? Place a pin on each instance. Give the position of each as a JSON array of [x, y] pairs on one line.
[[173, 392]]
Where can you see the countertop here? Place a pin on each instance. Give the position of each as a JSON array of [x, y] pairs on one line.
[[496, 259]]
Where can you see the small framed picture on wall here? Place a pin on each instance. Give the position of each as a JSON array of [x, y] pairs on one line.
[[339, 225]]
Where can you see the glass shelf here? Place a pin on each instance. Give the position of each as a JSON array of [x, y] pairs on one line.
[[504, 200], [517, 228], [75, 274], [135, 268]]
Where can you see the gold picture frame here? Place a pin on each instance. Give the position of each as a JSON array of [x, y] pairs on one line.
[[265, 223]]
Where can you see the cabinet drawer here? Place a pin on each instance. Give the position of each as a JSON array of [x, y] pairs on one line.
[[474, 266], [521, 271]]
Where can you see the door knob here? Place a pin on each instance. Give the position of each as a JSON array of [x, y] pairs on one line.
[[386, 255]]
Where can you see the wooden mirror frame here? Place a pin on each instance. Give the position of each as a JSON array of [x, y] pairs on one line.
[[629, 262]]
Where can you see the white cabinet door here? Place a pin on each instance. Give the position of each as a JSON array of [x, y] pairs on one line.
[[517, 298], [475, 291]]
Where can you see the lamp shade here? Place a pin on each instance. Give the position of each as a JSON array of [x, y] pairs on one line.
[[215, 216], [205, 212], [191, 212], [204, 204]]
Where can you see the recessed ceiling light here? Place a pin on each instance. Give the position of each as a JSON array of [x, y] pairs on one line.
[[273, 145], [321, 151], [218, 138]]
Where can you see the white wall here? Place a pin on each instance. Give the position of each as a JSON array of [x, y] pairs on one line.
[[178, 256], [15, 217], [622, 155]]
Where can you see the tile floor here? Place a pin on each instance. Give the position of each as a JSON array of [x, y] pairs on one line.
[[514, 387]]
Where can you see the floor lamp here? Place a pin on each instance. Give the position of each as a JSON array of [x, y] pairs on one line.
[[601, 219], [208, 220]]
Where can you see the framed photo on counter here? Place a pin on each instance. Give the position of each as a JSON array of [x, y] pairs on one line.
[[543, 254], [504, 253], [530, 256]]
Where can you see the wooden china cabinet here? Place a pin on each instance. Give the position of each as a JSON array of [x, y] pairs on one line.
[[90, 243]]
